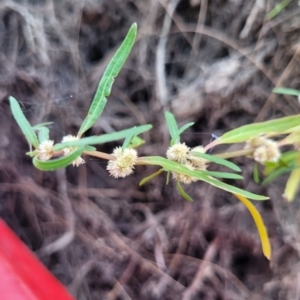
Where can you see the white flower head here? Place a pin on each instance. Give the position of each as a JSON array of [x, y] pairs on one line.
[[255, 142], [67, 150], [178, 153], [272, 150], [260, 154], [118, 152], [184, 178], [45, 150], [124, 163], [265, 150], [196, 161]]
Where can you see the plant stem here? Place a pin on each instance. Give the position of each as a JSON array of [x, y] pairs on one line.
[[100, 155], [242, 152]]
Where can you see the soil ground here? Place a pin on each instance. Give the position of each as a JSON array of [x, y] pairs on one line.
[[209, 62]]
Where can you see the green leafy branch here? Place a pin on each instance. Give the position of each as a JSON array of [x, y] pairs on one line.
[[184, 164]]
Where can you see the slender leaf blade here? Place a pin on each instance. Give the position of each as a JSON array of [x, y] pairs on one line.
[[202, 175], [90, 148], [245, 132], [262, 231], [105, 138], [43, 134], [286, 91], [23, 123], [182, 192], [127, 141], [136, 142], [224, 175], [293, 182], [276, 173], [58, 163], [106, 82], [173, 127], [37, 126], [256, 173], [277, 9], [150, 177], [217, 160], [180, 131], [185, 127]]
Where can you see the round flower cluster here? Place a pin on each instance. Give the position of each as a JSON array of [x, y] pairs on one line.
[[184, 155], [264, 150], [124, 163], [69, 138], [45, 150]]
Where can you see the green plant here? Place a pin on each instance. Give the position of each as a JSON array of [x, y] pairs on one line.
[[277, 9], [184, 164]]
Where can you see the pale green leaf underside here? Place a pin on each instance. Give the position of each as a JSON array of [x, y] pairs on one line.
[[54, 164], [106, 82], [286, 91], [23, 122], [43, 134], [105, 138], [202, 175], [243, 133]]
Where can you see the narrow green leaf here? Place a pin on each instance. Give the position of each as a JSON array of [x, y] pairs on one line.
[[217, 160], [293, 182], [31, 153], [256, 173], [150, 177], [136, 142], [223, 175], [173, 127], [54, 164], [185, 127], [287, 159], [182, 192], [180, 131], [284, 165], [90, 148], [132, 141], [168, 177], [202, 175], [23, 122], [277, 9], [262, 231], [106, 82], [234, 190], [105, 138], [286, 91], [37, 126], [43, 134], [243, 133], [276, 173]]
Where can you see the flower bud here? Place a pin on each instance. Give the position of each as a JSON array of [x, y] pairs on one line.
[[178, 153]]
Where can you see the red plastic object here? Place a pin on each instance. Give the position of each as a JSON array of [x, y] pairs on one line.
[[22, 276]]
